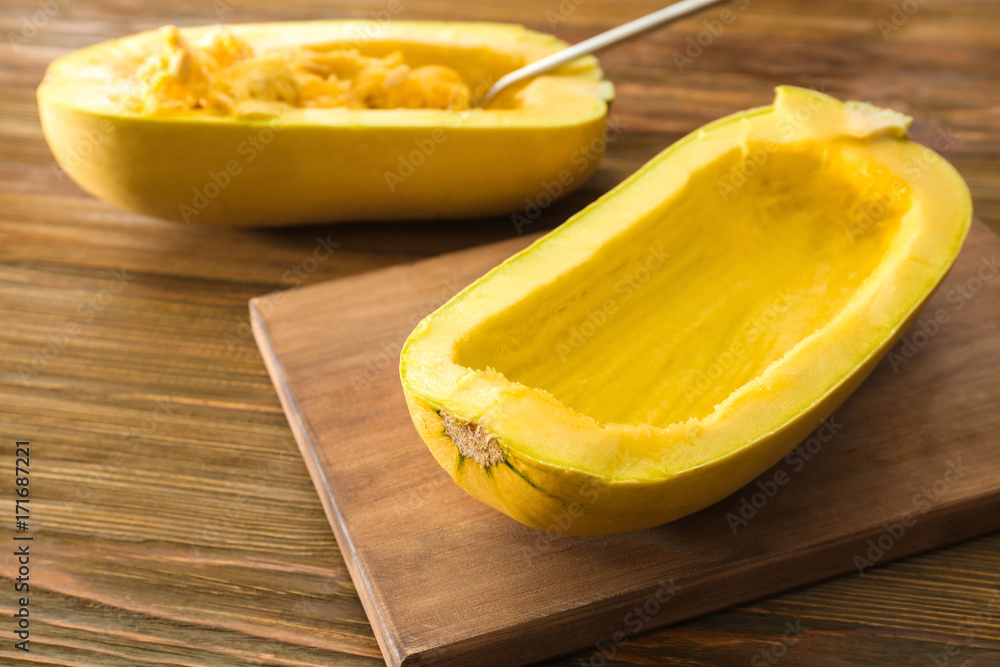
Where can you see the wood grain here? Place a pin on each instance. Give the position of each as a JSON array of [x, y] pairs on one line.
[[176, 521]]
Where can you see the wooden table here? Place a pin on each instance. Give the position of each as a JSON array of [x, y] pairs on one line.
[[173, 520]]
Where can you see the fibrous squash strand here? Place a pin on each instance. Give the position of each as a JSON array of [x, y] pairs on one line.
[[224, 75], [473, 441]]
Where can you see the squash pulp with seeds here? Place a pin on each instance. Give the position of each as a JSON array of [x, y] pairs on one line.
[[322, 121], [682, 334]]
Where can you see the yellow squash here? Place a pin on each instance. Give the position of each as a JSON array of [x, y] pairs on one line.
[[682, 334], [286, 123]]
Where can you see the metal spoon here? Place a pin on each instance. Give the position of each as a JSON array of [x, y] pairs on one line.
[[596, 43]]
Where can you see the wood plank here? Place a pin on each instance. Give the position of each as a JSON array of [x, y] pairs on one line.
[[912, 464]]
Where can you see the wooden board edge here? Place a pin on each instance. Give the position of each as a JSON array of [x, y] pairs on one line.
[[836, 558], [387, 641]]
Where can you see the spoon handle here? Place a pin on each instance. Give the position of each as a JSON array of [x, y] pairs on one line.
[[596, 43]]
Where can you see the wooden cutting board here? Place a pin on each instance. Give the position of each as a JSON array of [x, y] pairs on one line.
[[909, 463]]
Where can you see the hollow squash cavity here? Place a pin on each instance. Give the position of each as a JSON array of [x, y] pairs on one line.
[[691, 302], [678, 337]]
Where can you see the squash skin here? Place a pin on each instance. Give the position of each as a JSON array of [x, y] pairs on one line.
[[337, 166], [564, 501], [578, 498]]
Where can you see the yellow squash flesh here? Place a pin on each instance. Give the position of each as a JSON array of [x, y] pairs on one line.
[[282, 164], [682, 334]]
